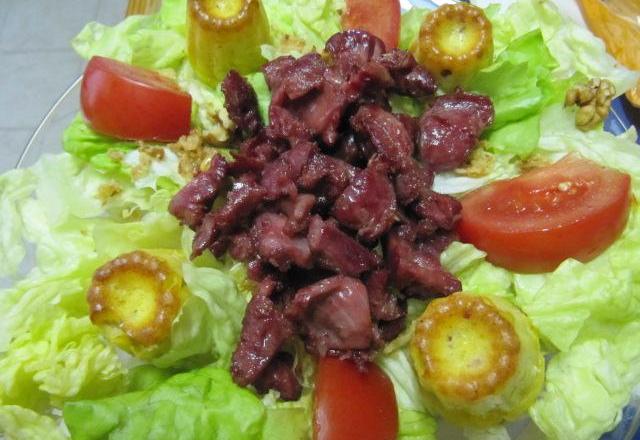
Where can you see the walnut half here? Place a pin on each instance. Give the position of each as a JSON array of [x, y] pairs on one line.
[[593, 100]]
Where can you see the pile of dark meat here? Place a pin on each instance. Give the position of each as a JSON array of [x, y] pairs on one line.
[[331, 205]]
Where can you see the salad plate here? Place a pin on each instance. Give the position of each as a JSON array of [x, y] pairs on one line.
[[46, 140]]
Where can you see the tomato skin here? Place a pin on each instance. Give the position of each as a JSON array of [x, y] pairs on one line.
[[574, 208], [350, 404], [129, 102], [379, 17]]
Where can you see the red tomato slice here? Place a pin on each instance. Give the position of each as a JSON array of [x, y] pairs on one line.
[[130, 102], [350, 404], [379, 17], [574, 208]]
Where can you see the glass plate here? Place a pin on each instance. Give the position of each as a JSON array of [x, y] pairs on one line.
[[47, 138]]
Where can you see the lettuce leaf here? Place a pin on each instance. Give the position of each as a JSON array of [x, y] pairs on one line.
[[576, 50], [155, 41], [49, 350], [18, 423], [587, 386], [81, 141], [56, 361], [415, 422], [410, 26], [298, 26], [15, 186], [209, 323], [539, 55], [198, 404]]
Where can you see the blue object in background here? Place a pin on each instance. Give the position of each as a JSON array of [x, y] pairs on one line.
[[622, 117]]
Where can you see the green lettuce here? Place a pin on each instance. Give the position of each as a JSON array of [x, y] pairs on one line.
[[18, 423], [15, 186], [576, 50], [415, 422], [539, 55], [410, 26], [519, 85], [56, 361], [198, 404], [50, 352], [209, 323], [155, 41], [81, 141], [298, 26], [587, 386]]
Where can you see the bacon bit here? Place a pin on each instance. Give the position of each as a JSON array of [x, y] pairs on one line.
[[107, 191]]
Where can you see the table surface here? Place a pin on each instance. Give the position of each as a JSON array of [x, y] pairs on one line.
[[37, 63]]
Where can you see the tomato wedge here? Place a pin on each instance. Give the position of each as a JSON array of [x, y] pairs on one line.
[[351, 404], [129, 102], [574, 208], [379, 17]]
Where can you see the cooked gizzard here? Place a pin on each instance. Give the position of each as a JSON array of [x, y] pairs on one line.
[[454, 42], [478, 359], [135, 298], [225, 35]]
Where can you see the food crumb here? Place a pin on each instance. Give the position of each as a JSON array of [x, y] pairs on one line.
[[534, 161], [107, 191], [480, 163], [116, 155], [153, 151], [142, 169]]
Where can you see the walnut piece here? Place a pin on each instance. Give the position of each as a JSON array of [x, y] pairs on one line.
[[480, 164], [593, 100]]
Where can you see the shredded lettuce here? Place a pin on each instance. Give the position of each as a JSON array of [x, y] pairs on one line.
[[18, 423]]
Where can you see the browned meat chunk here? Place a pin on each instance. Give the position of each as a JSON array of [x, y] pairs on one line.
[[367, 205], [296, 77], [264, 331], [279, 176], [416, 272], [386, 133], [274, 245], [326, 176], [353, 49], [192, 202], [333, 314], [298, 211], [410, 78], [450, 129], [279, 376], [242, 201], [334, 250], [436, 211], [412, 182], [384, 305], [241, 102]]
